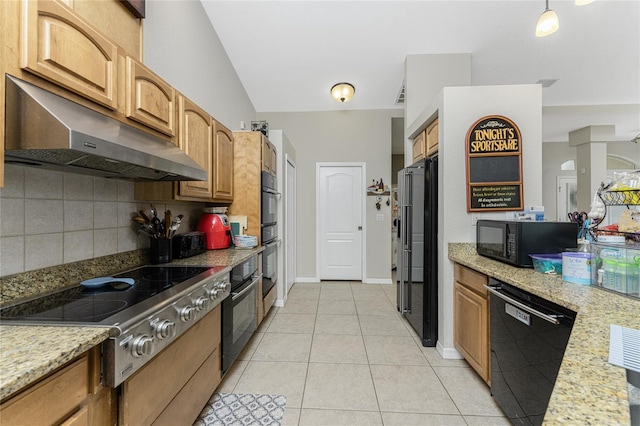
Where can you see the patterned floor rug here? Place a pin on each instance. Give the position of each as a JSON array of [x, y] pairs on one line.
[[232, 409]]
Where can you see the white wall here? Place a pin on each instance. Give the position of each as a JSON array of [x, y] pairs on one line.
[[340, 136], [182, 47], [458, 109], [424, 76], [556, 153]]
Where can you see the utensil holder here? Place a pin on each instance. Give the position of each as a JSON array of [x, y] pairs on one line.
[[160, 250]]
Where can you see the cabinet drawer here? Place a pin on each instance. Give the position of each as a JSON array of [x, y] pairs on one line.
[[50, 400], [81, 418], [186, 406], [471, 279], [149, 99], [61, 47]]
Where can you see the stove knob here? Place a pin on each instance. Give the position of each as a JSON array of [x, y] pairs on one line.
[[224, 286], [201, 303], [187, 313], [142, 345], [213, 293], [165, 329]]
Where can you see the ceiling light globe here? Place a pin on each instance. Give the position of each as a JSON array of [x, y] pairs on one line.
[[342, 92], [548, 23]]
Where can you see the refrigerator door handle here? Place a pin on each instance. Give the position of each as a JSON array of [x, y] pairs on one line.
[[409, 239]]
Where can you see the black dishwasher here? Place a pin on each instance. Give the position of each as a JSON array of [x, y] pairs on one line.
[[528, 338]]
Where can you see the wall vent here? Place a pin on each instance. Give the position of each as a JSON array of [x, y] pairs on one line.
[[400, 97]]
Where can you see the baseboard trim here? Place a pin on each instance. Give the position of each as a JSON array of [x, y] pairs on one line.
[[384, 281], [315, 280], [448, 353]]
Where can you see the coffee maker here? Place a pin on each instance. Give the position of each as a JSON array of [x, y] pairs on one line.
[[217, 230]]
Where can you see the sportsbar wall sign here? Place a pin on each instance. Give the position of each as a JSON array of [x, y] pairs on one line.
[[494, 165]]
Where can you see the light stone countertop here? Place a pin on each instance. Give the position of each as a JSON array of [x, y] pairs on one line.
[[28, 353], [588, 389]]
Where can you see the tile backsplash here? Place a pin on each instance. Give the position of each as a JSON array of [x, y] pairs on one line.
[[49, 218]]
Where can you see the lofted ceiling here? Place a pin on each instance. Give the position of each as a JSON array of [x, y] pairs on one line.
[[288, 54]]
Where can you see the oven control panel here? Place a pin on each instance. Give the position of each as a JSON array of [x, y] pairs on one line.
[[148, 336]]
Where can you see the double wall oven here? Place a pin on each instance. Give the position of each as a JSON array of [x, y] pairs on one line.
[[269, 231]]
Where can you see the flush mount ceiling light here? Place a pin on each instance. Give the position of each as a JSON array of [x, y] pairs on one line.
[[583, 2], [342, 92], [548, 22]]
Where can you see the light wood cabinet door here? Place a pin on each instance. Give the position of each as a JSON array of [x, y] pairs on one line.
[[195, 139], [222, 163], [269, 161], [417, 147], [471, 320], [149, 99], [61, 47], [432, 138]]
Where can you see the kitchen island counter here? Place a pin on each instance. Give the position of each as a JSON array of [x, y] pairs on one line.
[[30, 352], [588, 389]]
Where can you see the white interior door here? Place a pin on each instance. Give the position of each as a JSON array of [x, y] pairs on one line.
[[567, 196], [340, 199], [290, 233]]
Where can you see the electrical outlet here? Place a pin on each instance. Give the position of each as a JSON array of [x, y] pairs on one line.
[[474, 218]]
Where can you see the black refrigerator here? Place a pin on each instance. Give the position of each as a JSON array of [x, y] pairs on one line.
[[417, 265]]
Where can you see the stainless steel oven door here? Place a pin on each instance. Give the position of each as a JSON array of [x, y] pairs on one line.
[[269, 266], [269, 233], [269, 206], [239, 320]]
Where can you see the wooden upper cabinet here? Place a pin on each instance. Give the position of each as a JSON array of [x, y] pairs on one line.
[[149, 99], [61, 47], [432, 138], [222, 163], [269, 157], [195, 139], [418, 147]]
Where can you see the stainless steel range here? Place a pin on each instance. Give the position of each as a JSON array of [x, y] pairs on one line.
[[145, 317]]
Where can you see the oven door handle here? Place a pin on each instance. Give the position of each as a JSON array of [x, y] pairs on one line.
[[552, 319], [271, 191], [248, 288], [272, 243]]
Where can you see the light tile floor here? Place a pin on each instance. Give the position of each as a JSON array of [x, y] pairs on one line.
[[343, 355]]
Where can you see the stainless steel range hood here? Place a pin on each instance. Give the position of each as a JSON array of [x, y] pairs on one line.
[[46, 130]]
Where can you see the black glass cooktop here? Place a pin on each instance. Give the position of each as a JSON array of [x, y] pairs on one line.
[[92, 305]]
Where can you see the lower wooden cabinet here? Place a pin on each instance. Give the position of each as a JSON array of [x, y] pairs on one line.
[[178, 382], [269, 299], [69, 396], [471, 319]]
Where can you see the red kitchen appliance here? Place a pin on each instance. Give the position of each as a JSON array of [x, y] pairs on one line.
[[217, 230]]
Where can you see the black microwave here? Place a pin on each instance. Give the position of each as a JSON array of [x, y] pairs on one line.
[[512, 241]]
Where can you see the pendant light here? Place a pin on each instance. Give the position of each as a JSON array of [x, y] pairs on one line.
[[548, 22], [342, 92]]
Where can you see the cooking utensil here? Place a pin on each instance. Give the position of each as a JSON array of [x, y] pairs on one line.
[[167, 223], [175, 224], [144, 215], [102, 281], [140, 219]]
